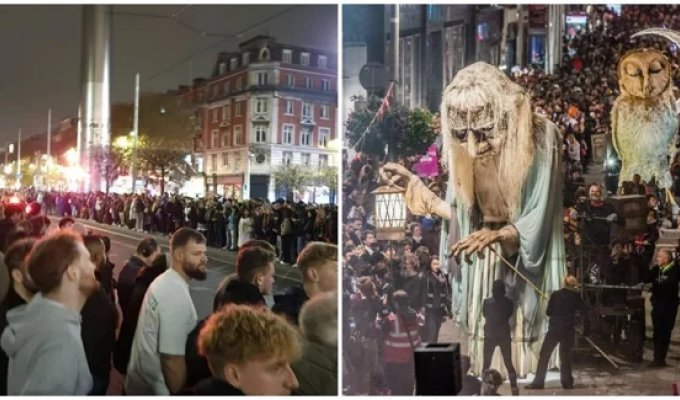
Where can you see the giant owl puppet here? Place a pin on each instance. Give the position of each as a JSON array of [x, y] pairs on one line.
[[503, 198], [644, 117]]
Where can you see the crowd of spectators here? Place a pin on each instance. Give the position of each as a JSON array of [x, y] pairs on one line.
[[226, 223], [578, 98], [61, 305]]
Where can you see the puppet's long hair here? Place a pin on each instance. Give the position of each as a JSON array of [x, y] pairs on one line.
[[483, 85]]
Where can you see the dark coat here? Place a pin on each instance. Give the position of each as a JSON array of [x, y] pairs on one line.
[[317, 370], [126, 280], [290, 303], [213, 387], [98, 332]]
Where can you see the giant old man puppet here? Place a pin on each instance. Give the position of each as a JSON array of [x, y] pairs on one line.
[[503, 199]]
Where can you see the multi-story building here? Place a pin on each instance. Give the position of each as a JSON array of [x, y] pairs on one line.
[[266, 105]]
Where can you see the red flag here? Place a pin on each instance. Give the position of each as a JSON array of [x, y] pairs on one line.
[[385, 105]]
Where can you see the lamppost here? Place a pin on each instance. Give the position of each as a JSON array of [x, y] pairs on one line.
[[246, 177]]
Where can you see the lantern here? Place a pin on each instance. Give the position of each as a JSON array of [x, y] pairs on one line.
[[390, 213]]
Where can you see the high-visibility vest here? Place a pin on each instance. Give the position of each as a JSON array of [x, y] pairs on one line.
[[398, 348]]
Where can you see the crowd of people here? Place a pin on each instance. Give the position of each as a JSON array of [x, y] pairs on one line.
[[63, 305], [226, 223], [399, 286]]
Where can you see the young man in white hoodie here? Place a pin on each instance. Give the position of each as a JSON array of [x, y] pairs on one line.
[[42, 340]]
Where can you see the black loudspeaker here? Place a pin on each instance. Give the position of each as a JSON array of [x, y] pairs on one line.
[[438, 371]]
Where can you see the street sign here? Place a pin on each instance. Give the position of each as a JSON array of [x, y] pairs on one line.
[[373, 77]]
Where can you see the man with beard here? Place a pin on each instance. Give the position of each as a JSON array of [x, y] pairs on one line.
[[99, 323], [157, 365], [42, 340], [20, 292]]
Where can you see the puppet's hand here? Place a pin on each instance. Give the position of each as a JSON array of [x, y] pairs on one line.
[[419, 199], [479, 240]]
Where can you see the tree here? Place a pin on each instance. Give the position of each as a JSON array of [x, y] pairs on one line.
[[108, 161], [408, 132], [165, 124], [328, 176], [291, 178]]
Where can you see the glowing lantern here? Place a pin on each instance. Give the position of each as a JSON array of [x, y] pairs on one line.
[[390, 213]]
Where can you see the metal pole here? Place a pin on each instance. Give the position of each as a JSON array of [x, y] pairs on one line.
[[19, 159], [135, 135], [395, 65], [49, 147]]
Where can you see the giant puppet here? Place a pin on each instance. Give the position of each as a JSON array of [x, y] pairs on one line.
[[504, 198]]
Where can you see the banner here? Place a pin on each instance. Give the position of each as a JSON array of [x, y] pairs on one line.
[[428, 166]]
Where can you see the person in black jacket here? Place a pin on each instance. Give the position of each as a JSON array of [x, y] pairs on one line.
[[123, 347], [318, 265], [20, 292], [562, 308], [250, 351], [497, 311], [664, 278], [437, 301], [99, 325], [147, 251]]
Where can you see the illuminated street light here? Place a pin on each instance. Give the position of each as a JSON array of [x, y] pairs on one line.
[[32, 167], [122, 142], [8, 169], [71, 156]]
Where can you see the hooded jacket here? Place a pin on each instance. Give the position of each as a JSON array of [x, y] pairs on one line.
[[45, 351]]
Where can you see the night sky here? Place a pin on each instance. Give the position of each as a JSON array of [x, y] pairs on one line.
[[40, 47]]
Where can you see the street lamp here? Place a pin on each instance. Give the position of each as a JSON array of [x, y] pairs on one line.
[[390, 213], [71, 156]]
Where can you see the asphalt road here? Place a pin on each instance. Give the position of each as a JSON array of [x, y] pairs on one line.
[[220, 263]]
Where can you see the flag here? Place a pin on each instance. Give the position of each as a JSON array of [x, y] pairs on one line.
[[385, 105]]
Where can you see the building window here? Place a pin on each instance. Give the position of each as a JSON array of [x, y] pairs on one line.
[[214, 91], [326, 85], [225, 159], [216, 115], [264, 54], [306, 159], [306, 137], [226, 138], [226, 113], [288, 133], [304, 59], [306, 110], [324, 111], [262, 78], [287, 158], [308, 82], [287, 56], [213, 163], [233, 64], [291, 81], [324, 136], [261, 105], [227, 87], [222, 68], [237, 109], [215, 139], [260, 134], [238, 133], [246, 59], [290, 107], [239, 83], [323, 62], [323, 161]]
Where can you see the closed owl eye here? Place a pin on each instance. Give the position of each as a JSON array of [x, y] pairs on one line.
[[633, 70], [655, 67]]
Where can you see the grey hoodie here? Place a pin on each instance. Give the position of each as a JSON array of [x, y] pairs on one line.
[[46, 355]]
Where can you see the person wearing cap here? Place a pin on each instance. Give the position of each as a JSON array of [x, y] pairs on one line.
[[42, 339], [562, 308]]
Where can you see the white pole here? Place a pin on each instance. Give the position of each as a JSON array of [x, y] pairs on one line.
[[19, 159], [135, 135], [49, 147]]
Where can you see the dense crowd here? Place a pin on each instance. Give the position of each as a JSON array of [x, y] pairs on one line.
[[404, 281], [226, 223], [63, 305]]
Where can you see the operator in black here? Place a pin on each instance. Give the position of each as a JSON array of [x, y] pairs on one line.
[[497, 311], [663, 277], [562, 308]]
